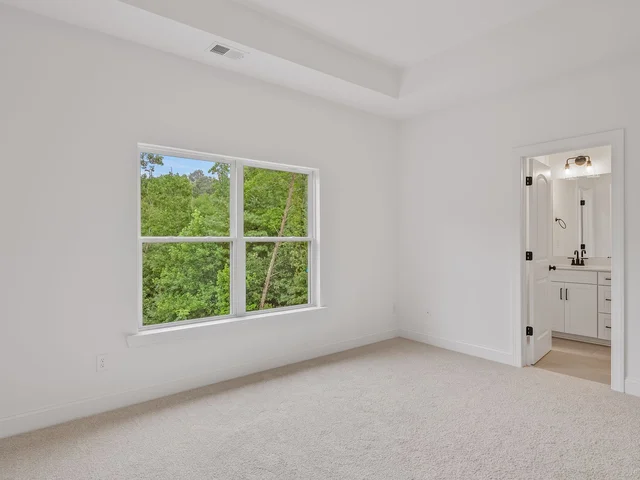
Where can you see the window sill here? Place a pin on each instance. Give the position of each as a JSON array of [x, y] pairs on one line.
[[178, 333]]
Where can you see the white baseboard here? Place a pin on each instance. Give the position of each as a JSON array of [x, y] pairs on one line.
[[580, 338], [632, 386], [83, 408], [461, 347]]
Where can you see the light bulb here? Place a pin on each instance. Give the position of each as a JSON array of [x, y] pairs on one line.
[[589, 166]]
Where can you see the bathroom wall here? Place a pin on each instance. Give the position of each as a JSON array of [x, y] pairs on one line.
[[568, 187]]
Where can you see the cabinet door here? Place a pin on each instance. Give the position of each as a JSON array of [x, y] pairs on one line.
[[581, 309], [556, 307]]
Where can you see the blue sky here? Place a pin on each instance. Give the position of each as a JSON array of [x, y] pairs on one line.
[[181, 166]]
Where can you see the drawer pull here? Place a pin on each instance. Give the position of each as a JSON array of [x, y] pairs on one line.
[[607, 278], [607, 299], [608, 327]]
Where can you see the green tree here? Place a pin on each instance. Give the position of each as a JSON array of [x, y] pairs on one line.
[[188, 284], [202, 184], [275, 206], [189, 280], [165, 205], [148, 162]]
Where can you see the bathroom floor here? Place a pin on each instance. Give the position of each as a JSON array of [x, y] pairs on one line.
[[578, 359]]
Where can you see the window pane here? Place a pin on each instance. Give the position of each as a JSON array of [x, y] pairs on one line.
[[183, 197], [277, 275], [275, 203], [185, 281]]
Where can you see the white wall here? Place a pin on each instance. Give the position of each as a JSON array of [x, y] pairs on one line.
[[460, 205], [73, 105]]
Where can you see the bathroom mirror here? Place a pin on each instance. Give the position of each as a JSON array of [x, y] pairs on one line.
[[582, 216]]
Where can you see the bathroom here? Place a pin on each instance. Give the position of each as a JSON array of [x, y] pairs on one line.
[[578, 287]]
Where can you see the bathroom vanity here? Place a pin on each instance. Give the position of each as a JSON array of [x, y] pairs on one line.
[[580, 303]]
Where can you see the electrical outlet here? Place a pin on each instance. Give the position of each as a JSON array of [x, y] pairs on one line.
[[101, 362]]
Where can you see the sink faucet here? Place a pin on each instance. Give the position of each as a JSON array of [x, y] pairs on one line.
[[576, 261], [582, 259]]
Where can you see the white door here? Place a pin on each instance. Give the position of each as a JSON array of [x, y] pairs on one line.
[[556, 306], [539, 242], [581, 309]]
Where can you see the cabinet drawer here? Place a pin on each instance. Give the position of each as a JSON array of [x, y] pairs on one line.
[[604, 299], [604, 278], [604, 326], [574, 276]]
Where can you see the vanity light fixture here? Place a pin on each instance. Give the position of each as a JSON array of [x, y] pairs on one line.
[[579, 161]]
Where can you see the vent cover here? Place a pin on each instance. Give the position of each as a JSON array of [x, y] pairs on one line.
[[220, 50], [225, 51]]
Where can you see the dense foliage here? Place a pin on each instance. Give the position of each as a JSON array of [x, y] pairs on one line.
[[188, 280]]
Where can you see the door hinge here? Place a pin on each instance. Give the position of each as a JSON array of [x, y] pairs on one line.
[[528, 181], [528, 256], [529, 331]]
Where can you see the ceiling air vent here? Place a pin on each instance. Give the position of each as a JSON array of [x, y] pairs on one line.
[[225, 51]]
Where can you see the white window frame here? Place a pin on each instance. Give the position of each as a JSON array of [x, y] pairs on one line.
[[237, 240]]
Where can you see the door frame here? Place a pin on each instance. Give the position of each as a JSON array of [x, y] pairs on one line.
[[614, 138]]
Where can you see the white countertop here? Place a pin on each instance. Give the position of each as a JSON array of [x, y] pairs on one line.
[[588, 268]]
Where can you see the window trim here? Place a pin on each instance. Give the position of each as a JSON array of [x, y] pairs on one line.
[[236, 238]]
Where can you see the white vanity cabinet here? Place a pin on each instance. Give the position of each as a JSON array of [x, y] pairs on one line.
[[575, 308], [580, 304]]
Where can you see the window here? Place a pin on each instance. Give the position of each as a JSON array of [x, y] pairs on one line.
[[223, 237]]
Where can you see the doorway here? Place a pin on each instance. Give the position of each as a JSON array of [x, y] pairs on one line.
[[578, 359], [572, 258]]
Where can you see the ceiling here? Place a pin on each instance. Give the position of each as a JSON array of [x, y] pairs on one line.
[[400, 32], [394, 58]]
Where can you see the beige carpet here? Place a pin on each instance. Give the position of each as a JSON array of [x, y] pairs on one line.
[[395, 410]]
